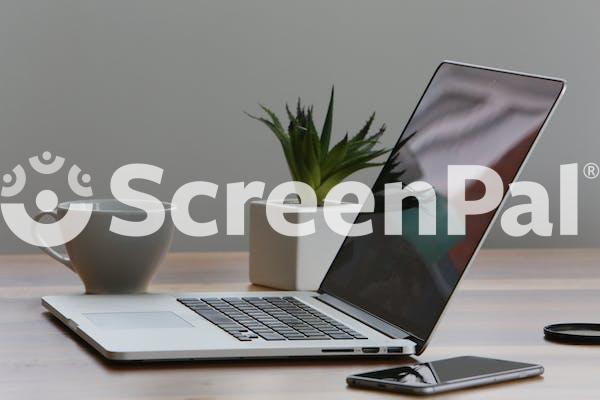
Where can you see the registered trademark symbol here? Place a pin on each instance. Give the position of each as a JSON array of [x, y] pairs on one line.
[[591, 170]]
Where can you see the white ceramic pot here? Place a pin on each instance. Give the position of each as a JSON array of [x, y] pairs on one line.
[[287, 262]]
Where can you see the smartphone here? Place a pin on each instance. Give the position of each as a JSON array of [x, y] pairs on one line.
[[444, 375]]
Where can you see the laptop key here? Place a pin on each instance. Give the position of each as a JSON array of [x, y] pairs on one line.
[[264, 332], [235, 332], [191, 302], [210, 312], [272, 336], [231, 326], [331, 330], [341, 336], [317, 338], [314, 334], [200, 309], [216, 319], [290, 333], [359, 336]]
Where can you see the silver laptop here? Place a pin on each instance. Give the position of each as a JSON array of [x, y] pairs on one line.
[[383, 294]]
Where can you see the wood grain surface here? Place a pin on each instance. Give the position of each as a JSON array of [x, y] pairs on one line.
[[499, 311]]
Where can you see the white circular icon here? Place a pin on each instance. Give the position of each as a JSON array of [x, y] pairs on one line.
[[591, 170], [46, 200]]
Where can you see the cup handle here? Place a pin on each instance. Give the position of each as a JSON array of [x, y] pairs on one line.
[[61, 258]]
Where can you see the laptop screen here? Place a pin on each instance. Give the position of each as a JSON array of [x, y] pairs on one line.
[[467, 115]]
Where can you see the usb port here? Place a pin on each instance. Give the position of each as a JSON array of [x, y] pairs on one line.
[[370, 350], [395, 350]]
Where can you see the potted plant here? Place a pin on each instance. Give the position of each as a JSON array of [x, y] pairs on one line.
[[300, 263]]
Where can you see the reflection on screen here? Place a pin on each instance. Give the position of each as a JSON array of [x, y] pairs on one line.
[[467, 115], [445, 371]]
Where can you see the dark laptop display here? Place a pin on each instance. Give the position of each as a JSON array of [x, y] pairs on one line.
[[467, 115]]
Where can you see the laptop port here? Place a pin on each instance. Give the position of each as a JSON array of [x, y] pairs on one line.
[[337, 350], [370, 350], [395, 350]]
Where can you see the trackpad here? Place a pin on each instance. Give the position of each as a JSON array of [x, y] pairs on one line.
[[137, 320]]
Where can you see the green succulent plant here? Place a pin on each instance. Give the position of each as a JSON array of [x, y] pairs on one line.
[[308, 154]]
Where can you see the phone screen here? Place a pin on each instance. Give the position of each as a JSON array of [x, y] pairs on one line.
[[445, 371]]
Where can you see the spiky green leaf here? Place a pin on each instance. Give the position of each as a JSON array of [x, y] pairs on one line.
[[327, 125], [365, 129], [335, 156]]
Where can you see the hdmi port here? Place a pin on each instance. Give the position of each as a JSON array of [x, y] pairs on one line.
[[337, 350], [370, 350]]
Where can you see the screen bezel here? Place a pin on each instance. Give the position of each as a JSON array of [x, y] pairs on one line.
[[421, 343]]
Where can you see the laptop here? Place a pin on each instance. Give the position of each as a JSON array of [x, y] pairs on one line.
[[383, 295]]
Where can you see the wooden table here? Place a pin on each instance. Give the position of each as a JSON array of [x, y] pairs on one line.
[[499, 311]]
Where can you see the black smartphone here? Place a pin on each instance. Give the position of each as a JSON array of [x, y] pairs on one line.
[[444, 375]]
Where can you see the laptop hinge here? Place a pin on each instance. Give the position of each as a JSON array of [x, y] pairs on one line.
[[368, 319]]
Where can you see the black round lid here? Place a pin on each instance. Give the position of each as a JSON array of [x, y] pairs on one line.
[[574, 333]]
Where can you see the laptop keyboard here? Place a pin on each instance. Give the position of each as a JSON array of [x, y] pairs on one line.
[[269, 318]]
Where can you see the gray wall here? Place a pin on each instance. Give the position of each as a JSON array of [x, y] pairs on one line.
[[105, 83]]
